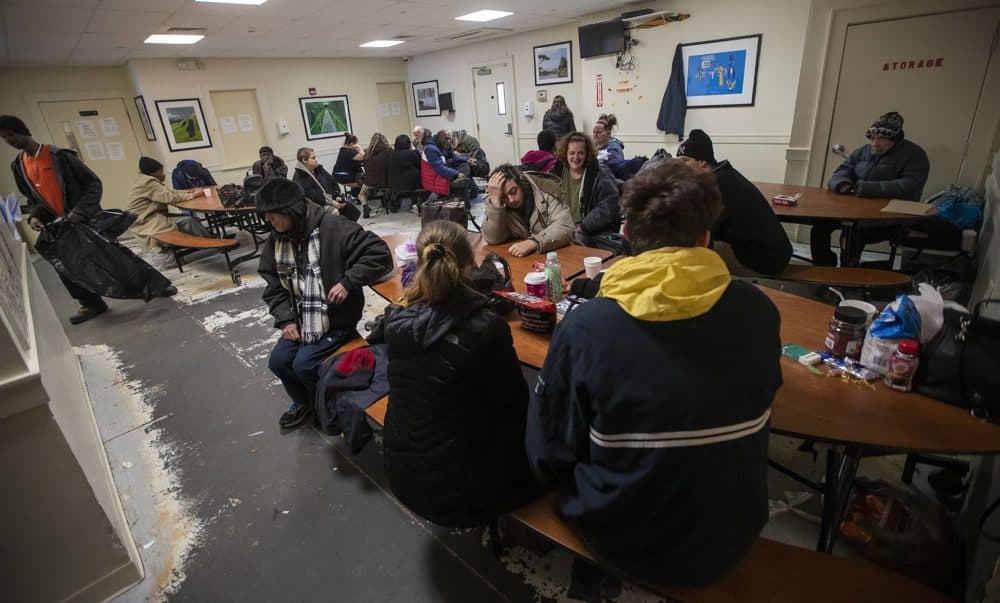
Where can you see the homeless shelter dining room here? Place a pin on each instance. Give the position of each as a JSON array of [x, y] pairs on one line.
[[438, 301]]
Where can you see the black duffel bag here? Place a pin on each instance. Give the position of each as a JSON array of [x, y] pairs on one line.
[[959, 366], [97, 264], [453, 210], [493, 275]]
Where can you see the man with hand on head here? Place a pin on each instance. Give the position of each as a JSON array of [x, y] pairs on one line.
[[315, 264], [520, 206]]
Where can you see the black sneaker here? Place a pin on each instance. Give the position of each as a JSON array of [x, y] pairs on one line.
[[169, 291], [366, 211], [296, 414]]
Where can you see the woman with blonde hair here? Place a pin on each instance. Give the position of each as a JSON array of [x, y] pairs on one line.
[[454, 429]]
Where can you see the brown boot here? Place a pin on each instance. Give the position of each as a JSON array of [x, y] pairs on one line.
[[85, 313]]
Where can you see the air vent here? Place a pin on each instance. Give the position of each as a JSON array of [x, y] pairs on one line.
[[476, 34], [187, 30]]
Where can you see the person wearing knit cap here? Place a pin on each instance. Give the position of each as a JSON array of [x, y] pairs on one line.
[[269, 165], [315, 265], [889, 167], [150, 199], [747, 235]]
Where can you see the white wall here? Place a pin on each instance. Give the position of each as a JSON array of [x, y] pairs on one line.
[[278, 83], [754, 138]]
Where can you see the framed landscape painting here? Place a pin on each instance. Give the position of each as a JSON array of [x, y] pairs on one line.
[[325, 116], [183, 124], [721, 73], [425, 98], [554, 63]]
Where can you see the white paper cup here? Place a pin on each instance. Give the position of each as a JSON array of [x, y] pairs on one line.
[[870, 310], [592, 266], [208, 192]]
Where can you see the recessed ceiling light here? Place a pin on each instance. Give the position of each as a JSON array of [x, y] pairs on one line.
[[253, 2], [174, 39], [381, 43], [484, 15]]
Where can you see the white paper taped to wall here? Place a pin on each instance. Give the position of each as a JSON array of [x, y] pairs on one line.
[[86, 128], [109, 127], [95, 151], [116, 152], [228, 124], [395, 108], [246, 123]]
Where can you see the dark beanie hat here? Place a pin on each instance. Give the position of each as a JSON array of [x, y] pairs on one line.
[[13, 124], [266, 150], [148, 165], [889, 125], [697, 146], [280, 195]]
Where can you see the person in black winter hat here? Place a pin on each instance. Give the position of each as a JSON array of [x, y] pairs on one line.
[[747, 235], [150, 200], [315, 264], [889, 167]]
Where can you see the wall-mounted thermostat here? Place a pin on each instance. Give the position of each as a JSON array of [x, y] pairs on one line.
[[542, 95], [283, 127]]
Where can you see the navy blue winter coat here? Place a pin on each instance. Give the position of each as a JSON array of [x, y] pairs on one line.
[[899, 173]]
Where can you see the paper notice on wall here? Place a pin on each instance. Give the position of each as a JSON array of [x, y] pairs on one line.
[[86, 128], [246, 123], [116, 152], [109, 127], [395, 108], [228, 124], [383, 109], [95, 151]]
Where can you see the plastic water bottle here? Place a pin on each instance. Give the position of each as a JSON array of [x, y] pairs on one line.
[[553, 276]]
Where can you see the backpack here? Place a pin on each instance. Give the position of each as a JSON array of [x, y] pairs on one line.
[[252, 184], [453, 210], [233, 196], [488, 278]]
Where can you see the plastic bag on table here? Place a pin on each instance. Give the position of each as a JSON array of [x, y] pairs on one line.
[[97, 264], [903, 532], [899, 320], [930, 305]]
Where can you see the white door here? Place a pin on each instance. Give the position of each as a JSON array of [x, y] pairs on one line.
[[239, 127], [930, 70], [101, 132], [393, 116], [493, 86]]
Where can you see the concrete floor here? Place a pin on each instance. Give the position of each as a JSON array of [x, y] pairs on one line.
[[225, 507]]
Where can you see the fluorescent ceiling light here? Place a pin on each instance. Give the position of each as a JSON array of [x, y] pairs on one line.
[[481, 16], [174, 39], [381, 43], [253, 2]]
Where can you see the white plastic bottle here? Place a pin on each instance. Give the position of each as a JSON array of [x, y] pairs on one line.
[[553, 275]]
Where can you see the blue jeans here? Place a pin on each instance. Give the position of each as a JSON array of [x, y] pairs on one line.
[[297, 363]]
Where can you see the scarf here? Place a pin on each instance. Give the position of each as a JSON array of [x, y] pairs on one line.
[[307, 289], [326, 195]]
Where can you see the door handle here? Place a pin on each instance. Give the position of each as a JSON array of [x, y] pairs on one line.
[[838, 149], [510, 129]]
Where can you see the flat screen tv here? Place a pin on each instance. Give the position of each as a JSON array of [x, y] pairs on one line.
[[605, 37]]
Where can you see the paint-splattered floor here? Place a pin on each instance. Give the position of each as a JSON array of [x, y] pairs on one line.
[[225, 507]]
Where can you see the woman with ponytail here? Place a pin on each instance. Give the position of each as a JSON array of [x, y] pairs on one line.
[[454, 430]]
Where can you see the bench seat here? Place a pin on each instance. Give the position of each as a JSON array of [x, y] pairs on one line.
[[844, 277], [182, 244]]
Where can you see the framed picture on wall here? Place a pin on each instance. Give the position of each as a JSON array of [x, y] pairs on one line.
[[554, 63], [183, 124], [425, 98], [147, 126], [721, 73], [325, 116]]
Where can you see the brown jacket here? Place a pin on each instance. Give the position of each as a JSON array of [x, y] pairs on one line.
[[551, 222], [151, 199]]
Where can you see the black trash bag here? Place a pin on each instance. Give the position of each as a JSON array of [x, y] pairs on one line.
[[100, 265], [111, 223]]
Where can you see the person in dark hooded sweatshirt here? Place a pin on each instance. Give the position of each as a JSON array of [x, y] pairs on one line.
[[454, 428], [315, 264], [650, 415], [748, 235]]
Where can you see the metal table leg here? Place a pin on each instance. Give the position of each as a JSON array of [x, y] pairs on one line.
[[841, 468]]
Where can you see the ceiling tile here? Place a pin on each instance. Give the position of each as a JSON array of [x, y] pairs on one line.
[[28, 42], [93, 41], [111, 21], [56, 3], [35, 17], [145, 5]]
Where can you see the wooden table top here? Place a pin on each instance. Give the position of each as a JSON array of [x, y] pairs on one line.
[[817, 203], [211, 204]]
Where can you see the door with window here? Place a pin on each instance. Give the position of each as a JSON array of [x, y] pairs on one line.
[[100, 131], [493, 88], [930, 69]]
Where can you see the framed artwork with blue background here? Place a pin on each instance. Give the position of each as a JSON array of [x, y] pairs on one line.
[[721, 73]]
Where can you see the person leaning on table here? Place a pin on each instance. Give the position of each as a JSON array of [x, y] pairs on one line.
[[889, 167], [520, 206]]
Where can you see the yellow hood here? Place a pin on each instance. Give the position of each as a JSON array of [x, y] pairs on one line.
[[670, 283]]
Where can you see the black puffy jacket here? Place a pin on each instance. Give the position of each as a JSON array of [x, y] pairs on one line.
[[560, 122], [900, 172], [314, 192], [454, 429]]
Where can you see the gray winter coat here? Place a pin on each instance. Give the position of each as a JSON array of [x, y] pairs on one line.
[[900, 173]]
